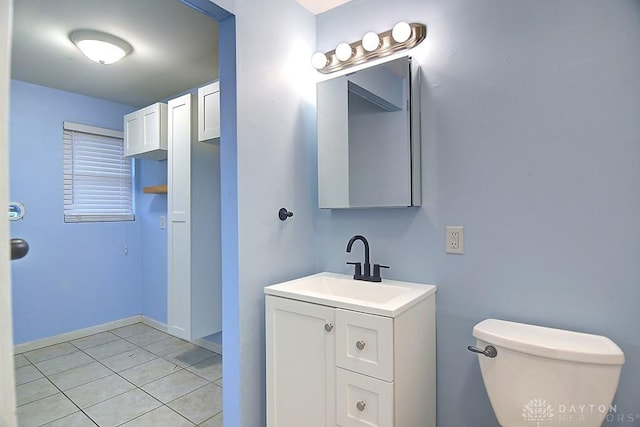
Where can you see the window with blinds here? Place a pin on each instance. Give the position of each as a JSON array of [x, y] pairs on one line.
[[98, 179]]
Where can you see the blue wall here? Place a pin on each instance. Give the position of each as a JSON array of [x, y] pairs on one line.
[[149, 209], [144, 289], [267, 161], [76, 275], [530, 140]]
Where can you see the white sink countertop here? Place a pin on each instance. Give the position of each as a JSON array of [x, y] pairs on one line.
[[388, 298]]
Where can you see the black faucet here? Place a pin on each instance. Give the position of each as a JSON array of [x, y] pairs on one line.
[[358, 274]]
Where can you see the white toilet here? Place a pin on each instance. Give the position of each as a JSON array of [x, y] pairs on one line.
[[537, 376]]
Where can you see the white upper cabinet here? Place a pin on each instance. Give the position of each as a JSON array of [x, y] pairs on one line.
[[145, 133], [209, 112]]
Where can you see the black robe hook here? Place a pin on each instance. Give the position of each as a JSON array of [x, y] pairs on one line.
[[283, 214]]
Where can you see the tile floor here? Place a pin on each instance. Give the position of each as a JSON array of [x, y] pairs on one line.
[[133, 376]]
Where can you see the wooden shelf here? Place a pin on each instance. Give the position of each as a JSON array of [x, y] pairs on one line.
[[155, 189]]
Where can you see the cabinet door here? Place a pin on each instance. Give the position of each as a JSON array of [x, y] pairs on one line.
[[209, 112], [145, 132], [179, 225], [154, 118], [132, 134], [301, 370]]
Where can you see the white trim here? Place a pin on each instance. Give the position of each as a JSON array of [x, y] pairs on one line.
[[81, 333], [74, 335], [7, 379], [209, 345], [154, 323], [94, 130]]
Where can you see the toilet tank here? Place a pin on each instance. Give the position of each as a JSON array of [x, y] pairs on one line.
[[548, 376]]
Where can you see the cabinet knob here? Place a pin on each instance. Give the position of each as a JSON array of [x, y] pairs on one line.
[[328, 327], [361, 405], [360, 345]]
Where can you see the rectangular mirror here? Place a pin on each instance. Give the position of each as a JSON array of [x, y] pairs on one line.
[[369, 137]]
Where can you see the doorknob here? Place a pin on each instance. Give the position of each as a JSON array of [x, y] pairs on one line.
[[19, 248]]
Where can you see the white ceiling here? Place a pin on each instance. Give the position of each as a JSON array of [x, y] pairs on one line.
[[175, 48], [319, 6]]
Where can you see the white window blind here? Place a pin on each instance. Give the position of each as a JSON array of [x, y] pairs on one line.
[[97, 176]]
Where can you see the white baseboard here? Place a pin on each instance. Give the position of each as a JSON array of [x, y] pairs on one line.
[[81, 333], [74, 335], [154, 323], [209, 345]]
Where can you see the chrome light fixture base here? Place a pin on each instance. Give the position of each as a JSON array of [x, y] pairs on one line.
[[386, 47]]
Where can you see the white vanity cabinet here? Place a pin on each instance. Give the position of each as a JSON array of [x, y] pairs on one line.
[[331, 366], [209, 112], [145, 132]]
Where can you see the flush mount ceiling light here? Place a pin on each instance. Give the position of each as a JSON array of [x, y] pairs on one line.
[[402, 36], [100, 47]]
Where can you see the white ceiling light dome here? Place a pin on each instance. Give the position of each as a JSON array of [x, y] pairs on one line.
[[100, 47]]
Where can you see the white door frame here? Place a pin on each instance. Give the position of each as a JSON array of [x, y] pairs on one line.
[[7, 380]]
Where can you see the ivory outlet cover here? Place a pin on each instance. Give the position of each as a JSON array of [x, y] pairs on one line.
[[454, 239]]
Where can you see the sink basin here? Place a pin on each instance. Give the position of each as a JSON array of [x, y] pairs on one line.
[[388, 298]]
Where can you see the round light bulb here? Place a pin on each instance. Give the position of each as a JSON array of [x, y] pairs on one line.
[[319, 60], [370, 41], [343, 51], [401, 32]]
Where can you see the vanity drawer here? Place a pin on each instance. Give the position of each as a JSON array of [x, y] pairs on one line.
[[363, 401], [364, 343]]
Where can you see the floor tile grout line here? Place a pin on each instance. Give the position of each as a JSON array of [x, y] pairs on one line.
[[61, 392], [97, 333], [212, 416], [177, 368], [187, 394], [71, 400], [155, 409], [95, 345], [155, 379], [180, 368], [50, 358]]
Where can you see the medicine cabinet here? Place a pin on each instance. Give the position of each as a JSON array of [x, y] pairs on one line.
[[369, 137]]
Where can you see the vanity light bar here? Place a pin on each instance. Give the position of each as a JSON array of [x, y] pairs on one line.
[[401, 36]]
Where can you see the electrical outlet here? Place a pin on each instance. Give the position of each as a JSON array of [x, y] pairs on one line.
[[163, 222], [454, 239]]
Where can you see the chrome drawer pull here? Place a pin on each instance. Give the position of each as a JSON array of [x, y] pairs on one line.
[[360, 345], [328, 327], [361, 405]]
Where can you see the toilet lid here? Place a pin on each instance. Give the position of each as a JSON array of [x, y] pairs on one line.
[[552, 343]]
